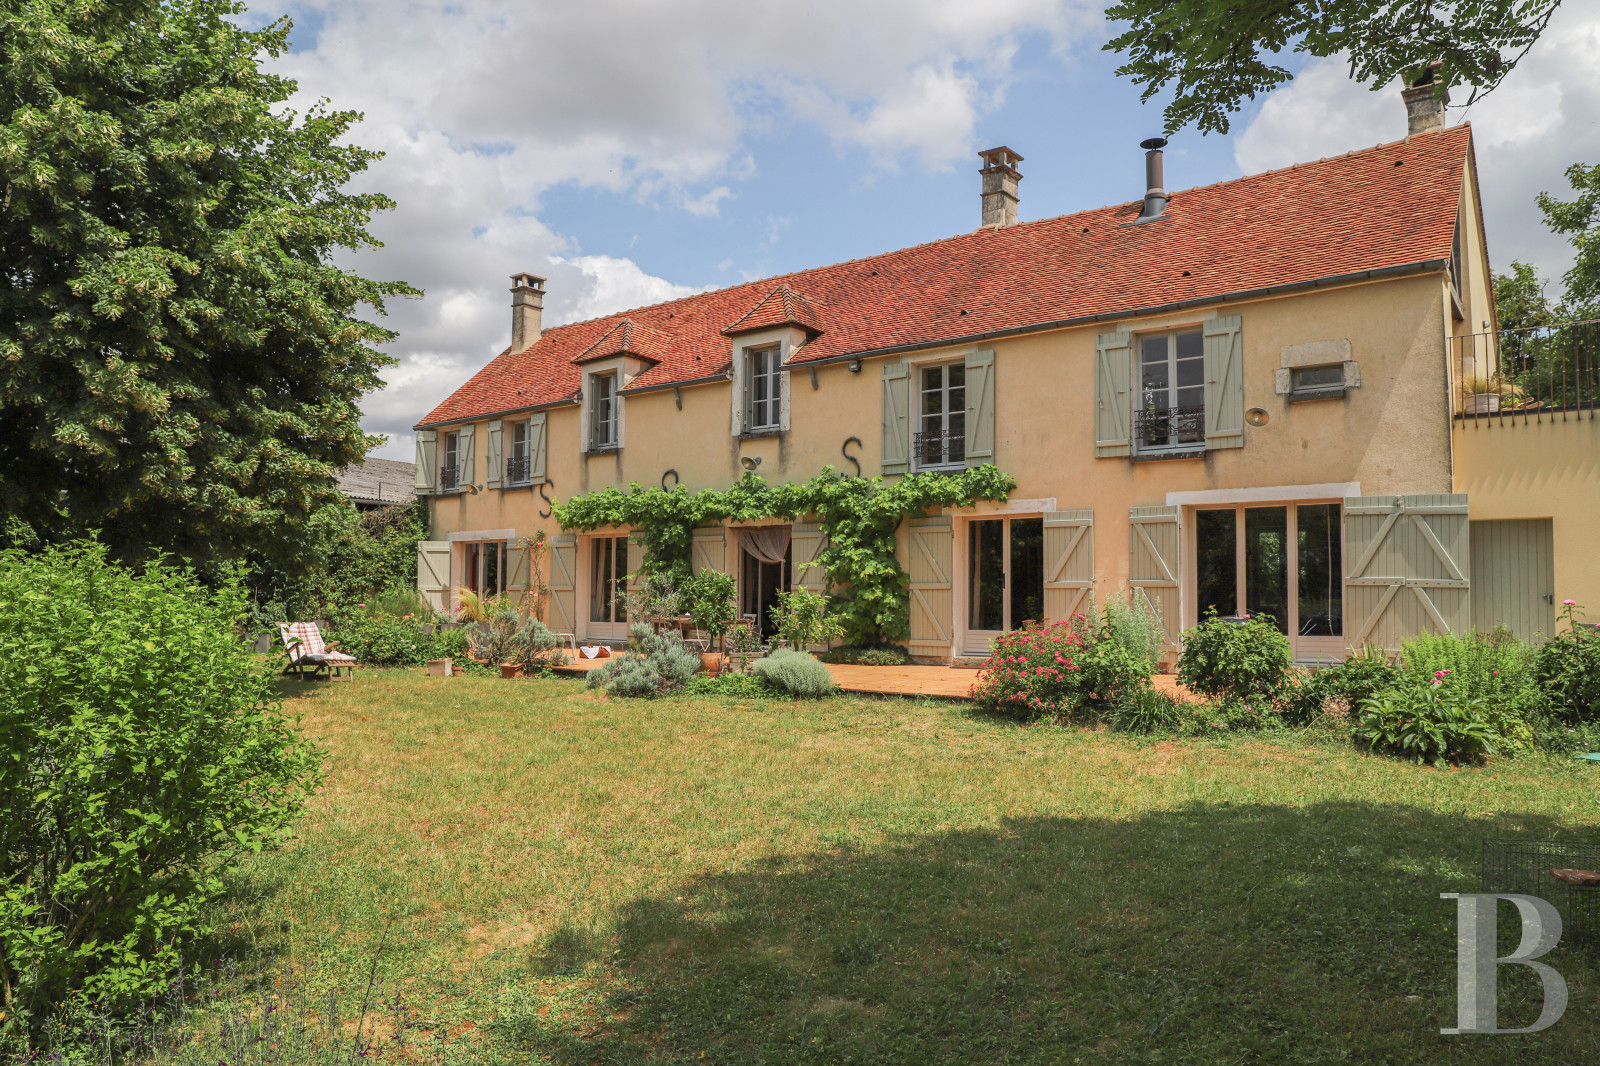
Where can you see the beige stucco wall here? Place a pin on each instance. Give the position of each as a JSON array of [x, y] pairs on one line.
[[1540, 469]]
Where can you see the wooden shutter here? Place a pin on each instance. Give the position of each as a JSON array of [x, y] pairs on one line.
[[564, 583], [710, 550], [980, 407], [636, 557], [468, 475], [517, 570], [1513, 577], [494, 452], [427, 464], [1153, 554], [1224, 370], [931, 602], [433, 572], [1407, 562], [1113, 410], [1068, 563], [896, 420], [536, 447], [805, 544]]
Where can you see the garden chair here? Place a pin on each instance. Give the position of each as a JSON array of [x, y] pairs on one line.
[[303, 640]]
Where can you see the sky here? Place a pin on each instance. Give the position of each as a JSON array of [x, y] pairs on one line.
[[634, 151]]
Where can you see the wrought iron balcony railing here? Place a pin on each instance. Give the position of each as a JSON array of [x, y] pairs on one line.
[[449, 477], [1156, 428], [517, 469], [1538, 374], [940, 448]]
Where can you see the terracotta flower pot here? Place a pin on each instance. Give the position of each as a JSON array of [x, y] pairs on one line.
[[439, 667], [510, 670], [711, 663]]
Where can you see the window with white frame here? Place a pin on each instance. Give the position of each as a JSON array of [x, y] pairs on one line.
[[450, 465], [602, 411], [941, 436], [517, 455], [763, 389], [1172, 392]]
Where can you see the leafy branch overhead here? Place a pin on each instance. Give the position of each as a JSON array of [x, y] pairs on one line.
[[1218, 54], [858, 516]]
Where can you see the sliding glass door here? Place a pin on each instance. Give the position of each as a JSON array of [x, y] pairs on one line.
[[1280, 561], [1005, 578]]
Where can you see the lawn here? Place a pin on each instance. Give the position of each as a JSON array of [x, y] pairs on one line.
[[547, 875]]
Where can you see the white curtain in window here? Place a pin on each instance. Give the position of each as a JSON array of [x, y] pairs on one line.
[[767, 543]]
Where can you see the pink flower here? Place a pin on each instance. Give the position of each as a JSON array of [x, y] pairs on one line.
[[1569, 603], [360, 605]]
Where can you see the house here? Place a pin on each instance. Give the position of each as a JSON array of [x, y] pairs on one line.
[[1249, 396], [375, 483]]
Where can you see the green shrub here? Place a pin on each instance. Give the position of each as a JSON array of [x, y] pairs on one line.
[[1109, 669], [448, 644], [383, 641], [878, 655], [728, 685], [1428, 723], [1360, 677], [803, 620], [1567, 669], [1144, 709], [709, 597], [795, 673], [1243, 661], [656, 664], [1136, 626], [144, 753], [1034, 673], [398, 601]]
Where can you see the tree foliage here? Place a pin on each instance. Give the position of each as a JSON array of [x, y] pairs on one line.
[[1579, 219], [858, 516], [1219, 53], [180, 361]]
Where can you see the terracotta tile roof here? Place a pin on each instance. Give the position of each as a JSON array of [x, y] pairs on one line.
[[780, 307], [629, 338], [1388, 206]]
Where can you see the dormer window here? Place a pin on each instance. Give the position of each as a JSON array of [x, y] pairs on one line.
[[602, 412], [763, 389]]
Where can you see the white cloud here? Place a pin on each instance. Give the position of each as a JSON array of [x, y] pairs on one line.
[[483, 107], [1541, 120]]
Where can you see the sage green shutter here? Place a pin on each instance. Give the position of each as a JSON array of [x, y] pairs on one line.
[[896, 419], [1407, 562], [1068, 563], [464, 443], [564, 583], [536, 447], [427, 465], [1224, 370], [494, 453], [1113, 407], [710, 550], [636, 557], [980, 407], [1153, 555], [1514, 577], [517, 571], [433, 573], [931, 589], [805, 544]]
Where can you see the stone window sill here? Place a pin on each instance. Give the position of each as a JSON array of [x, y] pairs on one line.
[[1176, 453], [761, 434], [609, 449]]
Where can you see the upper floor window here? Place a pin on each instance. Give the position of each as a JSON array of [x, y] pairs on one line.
[[763, 387], [1172, 392], [517, 460], [603, 411], [450, 465], [941, 437]]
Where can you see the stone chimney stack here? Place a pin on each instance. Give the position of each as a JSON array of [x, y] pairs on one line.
[[1424, 103], [1000, 179], [527, 310]]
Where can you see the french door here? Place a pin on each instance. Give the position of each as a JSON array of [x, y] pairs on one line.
[[1284, 561], [608, 588], [1005, 578]]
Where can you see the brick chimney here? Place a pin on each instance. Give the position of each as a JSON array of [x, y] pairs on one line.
[[1000, 179], [527, 310], [1424, 103]]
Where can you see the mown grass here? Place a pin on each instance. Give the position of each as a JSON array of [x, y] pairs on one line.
[[560, 877]]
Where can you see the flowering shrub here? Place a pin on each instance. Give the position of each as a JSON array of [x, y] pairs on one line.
[[1034, 672], [1567, 668], [1430, 723]]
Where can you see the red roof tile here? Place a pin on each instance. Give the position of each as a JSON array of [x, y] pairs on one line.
[[1388, 206], [629, 338], [780, 307]]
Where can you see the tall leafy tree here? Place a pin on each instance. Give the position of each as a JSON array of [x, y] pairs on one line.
[[1217, 54], [180, 360], [1579, 219]]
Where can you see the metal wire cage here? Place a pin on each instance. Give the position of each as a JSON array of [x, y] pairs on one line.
[[1523, 867]]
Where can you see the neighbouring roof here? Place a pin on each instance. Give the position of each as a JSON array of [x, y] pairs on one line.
[[1384, 207], [379, 481]]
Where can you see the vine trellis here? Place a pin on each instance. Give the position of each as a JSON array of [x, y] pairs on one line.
[[858, 517]]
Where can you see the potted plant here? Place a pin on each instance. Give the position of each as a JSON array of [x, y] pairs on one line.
[[803, 620], [709, 597]]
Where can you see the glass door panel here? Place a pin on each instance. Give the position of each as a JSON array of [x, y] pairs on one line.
[[1321, 592], [1027, 571], [1216, 536], [986, 574], [1266, 547]]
